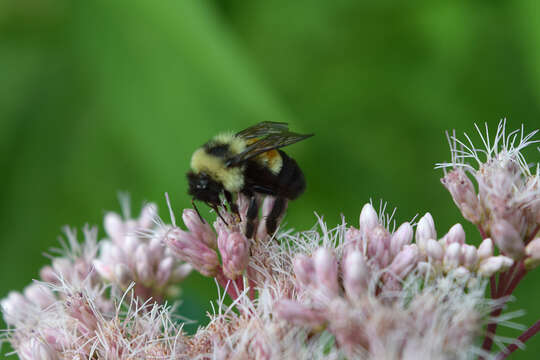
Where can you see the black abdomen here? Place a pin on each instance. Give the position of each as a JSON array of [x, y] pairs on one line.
[[291, 179], [289, 183]]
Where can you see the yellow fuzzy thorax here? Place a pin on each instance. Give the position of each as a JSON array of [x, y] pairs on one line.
[[236, 144], [232, 178]]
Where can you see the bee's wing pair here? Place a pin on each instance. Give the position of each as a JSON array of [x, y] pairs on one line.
[[270, 135]]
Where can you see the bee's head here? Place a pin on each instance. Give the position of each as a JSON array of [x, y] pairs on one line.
[[203, 188]]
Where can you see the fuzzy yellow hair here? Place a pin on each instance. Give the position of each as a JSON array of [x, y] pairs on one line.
[[232, 178]]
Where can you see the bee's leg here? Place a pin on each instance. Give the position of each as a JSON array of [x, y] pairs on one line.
[[216, 210], [197, 210], [232, 204], [252, 213], [275, 213]]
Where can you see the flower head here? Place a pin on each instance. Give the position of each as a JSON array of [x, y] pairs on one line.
[[134, 251], [366, 306], [505, 202]]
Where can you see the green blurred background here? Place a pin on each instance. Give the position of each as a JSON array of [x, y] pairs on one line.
[[101, 96]]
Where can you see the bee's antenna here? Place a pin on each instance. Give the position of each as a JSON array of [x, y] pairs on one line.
[[197, 210]]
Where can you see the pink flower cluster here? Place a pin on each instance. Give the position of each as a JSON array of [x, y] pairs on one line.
[[201, 244], [506, 206], [67, 322], [337, 289], [134, 252], [368, 291]]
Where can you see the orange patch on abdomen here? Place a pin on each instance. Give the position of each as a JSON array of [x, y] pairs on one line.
[[272, 160]]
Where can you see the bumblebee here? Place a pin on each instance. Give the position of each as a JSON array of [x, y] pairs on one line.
[[248, 162]]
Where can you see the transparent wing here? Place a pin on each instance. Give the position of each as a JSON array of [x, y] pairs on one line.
[[269, 142], [262, 129]]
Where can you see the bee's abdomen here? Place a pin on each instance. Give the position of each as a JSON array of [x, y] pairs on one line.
[[291, 180], [288, 183]]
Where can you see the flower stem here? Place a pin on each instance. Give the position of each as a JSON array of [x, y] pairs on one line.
[[508, 282], [482, 232], [513, 281], [527, 334], [493, 285], [490, 332]]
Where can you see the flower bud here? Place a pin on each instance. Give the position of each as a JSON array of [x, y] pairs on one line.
[[405, 261], [62, 266], [130, 227], [298, 313], [148, 214], [56, 339], [532, 250], [378, 241], [355, 274], [143, 265], [490, 266], [354, 241], [40, 295], [456, 234], [14, 307], [243, 202], [424, 267], [201, 230], [181, 272], [463, 193], [124, 251], [434, 250], [469, 256], [103, 269], [368, 218], [192, 250], [507, 239], [77, 306], [266, 208], [234, 250], [485, 250], [304, 270], [33, 349], [391, 283], [122, 275], [164, 270], [452, 256], [425, 230], [114, 226], [326, 271], [48, 274], [461, 272], [401, 237], [533, 188], [155, 249]]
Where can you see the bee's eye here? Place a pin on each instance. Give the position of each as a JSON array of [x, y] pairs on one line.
[[203, 184]]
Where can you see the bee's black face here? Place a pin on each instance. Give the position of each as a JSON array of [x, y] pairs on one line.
[[203, 188]]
